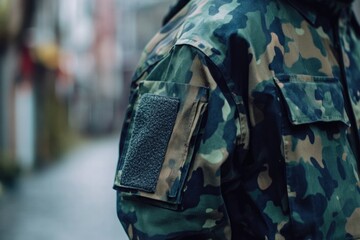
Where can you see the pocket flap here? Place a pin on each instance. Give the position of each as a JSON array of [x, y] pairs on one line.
[[312, 99]]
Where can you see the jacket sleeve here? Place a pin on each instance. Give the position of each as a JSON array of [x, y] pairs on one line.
[[179, 136]]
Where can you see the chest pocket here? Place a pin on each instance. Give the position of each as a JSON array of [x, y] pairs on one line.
[[159, 141], [321, 170]]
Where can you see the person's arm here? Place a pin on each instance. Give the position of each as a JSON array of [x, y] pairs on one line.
[[181, 130]]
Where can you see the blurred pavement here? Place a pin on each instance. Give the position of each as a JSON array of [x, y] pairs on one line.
[[71, 200]]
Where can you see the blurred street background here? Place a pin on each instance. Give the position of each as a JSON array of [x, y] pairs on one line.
[[65, 68]]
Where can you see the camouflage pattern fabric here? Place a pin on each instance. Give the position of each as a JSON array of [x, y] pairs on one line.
[[265, 144]]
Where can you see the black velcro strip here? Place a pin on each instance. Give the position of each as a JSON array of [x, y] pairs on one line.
[[153, 124]]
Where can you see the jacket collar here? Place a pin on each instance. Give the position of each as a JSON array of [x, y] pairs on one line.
[[174, 10], [312, 9]]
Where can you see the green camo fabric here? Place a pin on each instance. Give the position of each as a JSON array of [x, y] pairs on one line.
[[265, 144]]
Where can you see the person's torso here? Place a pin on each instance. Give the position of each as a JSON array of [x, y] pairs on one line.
[[298, 83]]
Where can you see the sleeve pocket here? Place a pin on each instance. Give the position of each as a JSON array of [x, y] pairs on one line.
[[159, 141]]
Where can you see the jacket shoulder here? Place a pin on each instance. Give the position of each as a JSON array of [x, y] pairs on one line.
[[210, 26]]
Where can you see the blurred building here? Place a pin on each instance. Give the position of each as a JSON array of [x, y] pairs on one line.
[[58, 71], [139, 21], [65, 67], [16, 95], [91, 63]]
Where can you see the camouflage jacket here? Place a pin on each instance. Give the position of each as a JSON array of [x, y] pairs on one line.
[[243, 123]]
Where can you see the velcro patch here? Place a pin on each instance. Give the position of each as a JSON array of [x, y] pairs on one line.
[[153, 125]]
